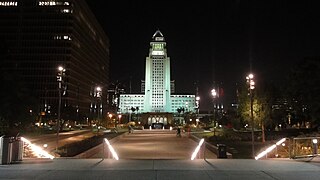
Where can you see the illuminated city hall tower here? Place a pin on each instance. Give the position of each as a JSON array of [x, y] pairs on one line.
[[157, 102], [157, 77]]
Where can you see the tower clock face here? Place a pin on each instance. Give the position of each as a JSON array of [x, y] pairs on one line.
[[159, 53]]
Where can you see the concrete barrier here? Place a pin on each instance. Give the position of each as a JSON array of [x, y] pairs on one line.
[[209, 146], [97, 149]]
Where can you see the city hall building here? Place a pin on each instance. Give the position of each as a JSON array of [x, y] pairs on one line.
[[157, 101]]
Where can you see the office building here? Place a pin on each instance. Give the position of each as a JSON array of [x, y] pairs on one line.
[[39, 36]]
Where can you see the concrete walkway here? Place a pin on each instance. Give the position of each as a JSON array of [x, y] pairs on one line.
[[154, 144], [245, 169]]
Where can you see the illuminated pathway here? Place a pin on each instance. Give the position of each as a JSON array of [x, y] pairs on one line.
[[154, 144]]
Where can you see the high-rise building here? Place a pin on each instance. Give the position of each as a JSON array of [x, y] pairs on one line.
[[114, 91], [157, 98], [39, 36]]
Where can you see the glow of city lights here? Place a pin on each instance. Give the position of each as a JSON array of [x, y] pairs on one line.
[[113, 152], [194, 154], [269, 149], [39, 151]]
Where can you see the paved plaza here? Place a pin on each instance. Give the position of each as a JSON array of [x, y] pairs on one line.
[[159, 155], [152, 144]]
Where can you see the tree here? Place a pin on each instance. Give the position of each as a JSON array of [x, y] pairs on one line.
[[133, 109], [262, 102]]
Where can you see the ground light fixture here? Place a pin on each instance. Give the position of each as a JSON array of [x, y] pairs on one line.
[[113, 152], [39, 151], [269, 149], [194, 154]]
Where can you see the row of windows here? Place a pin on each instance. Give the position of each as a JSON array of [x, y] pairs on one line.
[[132, 96], [158, 103], [157, 87], [158, 46], [53, 3], [132, 101], [191, 96], [157, 78], [154, 57], [9, 3], [185, 100]]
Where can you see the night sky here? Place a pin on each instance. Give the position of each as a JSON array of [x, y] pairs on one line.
[[210, 41]]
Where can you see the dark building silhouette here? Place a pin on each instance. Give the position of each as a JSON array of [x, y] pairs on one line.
[[113, 96], [37, 36]]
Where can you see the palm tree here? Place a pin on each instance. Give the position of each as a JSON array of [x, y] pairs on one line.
[[132, 110], [179, 110], [137, 109]]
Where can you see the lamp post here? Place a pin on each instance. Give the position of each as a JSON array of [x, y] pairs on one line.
[[251, 87], [99, 95], [60, 74], [315, 146], [119, 117], [198, 104], [214, 95], [110, 116]]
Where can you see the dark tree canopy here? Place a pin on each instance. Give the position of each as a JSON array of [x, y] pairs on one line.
[[304, 88]]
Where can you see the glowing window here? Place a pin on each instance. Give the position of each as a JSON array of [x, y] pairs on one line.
[[66, 11]]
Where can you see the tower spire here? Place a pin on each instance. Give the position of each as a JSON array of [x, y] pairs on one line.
[[158, 36]]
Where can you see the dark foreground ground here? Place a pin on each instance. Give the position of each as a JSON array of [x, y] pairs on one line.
[[162, 169]]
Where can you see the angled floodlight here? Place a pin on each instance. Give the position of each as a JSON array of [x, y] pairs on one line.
[[195, 152]]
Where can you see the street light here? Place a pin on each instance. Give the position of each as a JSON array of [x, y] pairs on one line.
[[214, 95], [315, 146], [110, 116], [119, 116], [198, 104], [60, 74], [99, 95], [251, 87]]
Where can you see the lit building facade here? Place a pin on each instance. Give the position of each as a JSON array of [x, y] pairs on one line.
[[40, 35], [157, 96]]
